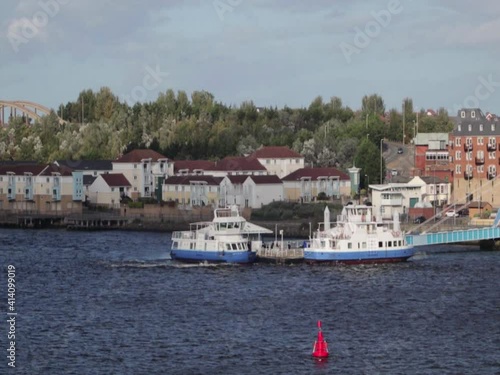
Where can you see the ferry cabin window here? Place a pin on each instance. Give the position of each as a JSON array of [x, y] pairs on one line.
[[363, 245], [395, 243], [380, 244], [399, 243], [228, 246], [389, 244], [349, 245], [234, 246]]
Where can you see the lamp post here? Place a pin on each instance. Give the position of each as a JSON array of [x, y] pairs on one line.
[[381, 147], [367, 184], [404, 119]]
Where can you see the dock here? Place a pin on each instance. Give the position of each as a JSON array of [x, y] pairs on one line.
[[281, 252]]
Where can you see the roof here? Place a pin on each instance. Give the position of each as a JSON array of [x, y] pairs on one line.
[[275, 152], [423, 139], [238, 164], [85, 165], [115, 179], [476, 204], [192, 165], [136, 156], [88, 180], [54, 168], [17, 162], [21, 169], [187, 180], [265, 179], [237, 178], [315, 173], [433, 180]]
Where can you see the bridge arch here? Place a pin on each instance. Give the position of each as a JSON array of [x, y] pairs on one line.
[[29, 109]]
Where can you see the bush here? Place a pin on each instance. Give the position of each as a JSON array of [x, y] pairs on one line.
[[135, 204], [322, 196]]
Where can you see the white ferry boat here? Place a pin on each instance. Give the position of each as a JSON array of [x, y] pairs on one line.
[[227, 238], [359, 237]]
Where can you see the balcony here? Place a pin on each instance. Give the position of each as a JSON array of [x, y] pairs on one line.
[[491, 175], [468, 147], [468, 175], [479, 160], [492, 146]]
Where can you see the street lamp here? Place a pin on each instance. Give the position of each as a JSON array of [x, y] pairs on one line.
[[381, 146]]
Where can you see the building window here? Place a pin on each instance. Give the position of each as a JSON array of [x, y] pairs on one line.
[[458, 155], [473, 114], [480, 140], [492, 155], [480, 127], [462, 114], [112, 189], [459, 127], [492, 127], [470, 127]]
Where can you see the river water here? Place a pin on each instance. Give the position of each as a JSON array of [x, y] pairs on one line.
[[114, 303]]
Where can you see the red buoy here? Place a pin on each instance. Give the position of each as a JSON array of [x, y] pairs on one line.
[[320, 349]]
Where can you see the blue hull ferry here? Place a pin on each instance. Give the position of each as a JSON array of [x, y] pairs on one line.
[[359, 237], [228, 238]]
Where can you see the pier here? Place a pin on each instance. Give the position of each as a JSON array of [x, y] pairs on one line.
[[281, 252]]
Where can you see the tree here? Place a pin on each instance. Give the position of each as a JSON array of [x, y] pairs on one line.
[[372, 104], [368, 159]]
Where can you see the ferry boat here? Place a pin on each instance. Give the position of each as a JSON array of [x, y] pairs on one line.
[[359, 237], [229, 238]]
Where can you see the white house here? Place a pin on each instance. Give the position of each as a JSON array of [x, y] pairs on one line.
[[109, 189], [279, 160], [262, 190], [399, 197], [231, 190], [145, 170]]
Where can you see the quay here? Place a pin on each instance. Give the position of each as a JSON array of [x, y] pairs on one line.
[[281, 252]]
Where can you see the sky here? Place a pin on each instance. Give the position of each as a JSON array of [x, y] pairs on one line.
[[440, 53]]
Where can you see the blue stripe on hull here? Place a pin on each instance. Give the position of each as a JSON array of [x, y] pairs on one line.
[[213, 256], [373, 256]]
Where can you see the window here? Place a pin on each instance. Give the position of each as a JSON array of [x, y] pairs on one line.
[[480, 127], [473, 114], [458, 169], [462, 114], [458, 155], [459, 127], [470, 127], [135, 165], [112, 189], [492, 127], [480, 140]]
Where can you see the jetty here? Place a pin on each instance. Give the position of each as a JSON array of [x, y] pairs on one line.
[[282, 252]]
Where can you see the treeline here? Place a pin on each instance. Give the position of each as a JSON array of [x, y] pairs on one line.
[[327, 133]]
